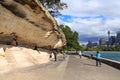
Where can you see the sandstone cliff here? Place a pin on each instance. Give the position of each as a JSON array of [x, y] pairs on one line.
[[16, 57], [30, 23]]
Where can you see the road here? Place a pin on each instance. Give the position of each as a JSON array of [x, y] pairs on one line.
[[73, 68]]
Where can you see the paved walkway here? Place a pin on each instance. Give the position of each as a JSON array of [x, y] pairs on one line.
[[85, 69], [73, 68]]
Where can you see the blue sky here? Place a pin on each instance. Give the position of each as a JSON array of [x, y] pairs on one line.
[[91, 18]]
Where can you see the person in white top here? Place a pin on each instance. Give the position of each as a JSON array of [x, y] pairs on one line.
[[80, 54]]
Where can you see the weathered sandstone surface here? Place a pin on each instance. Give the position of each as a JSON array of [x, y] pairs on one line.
[[19, 57], [30, 23]]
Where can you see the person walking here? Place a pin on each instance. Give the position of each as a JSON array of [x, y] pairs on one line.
[[80, 54], [98, 59], [55, 52], [64, 55]]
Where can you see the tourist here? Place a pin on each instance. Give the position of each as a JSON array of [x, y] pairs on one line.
[[55, 52], [64, 55], [36, 48], [80, 54], [14, 42], [98, 59]]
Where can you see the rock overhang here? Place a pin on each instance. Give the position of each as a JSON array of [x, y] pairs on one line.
[[30, 23]]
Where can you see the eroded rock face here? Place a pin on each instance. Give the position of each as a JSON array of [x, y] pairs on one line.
[[20, 57], [30, 23]]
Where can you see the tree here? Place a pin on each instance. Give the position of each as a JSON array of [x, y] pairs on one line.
[[54, 6], [71, 38], [75, 42]]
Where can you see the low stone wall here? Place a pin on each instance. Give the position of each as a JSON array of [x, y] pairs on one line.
[[112, 63]]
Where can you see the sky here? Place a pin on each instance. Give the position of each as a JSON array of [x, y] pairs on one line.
[[92, 19]]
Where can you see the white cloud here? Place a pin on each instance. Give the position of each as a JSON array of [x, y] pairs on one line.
[[92, 7], [92, 17]]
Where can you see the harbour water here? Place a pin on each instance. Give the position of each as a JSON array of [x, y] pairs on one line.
[[109, 55]]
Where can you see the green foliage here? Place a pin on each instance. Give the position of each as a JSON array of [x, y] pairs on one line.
[[71, 37], [54, 6], [111, 48], [92, 49]]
